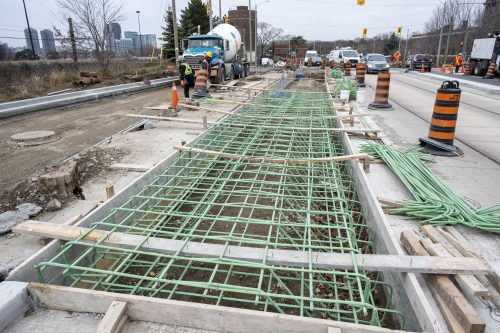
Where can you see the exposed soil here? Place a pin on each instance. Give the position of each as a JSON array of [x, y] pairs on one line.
[[81, 126]]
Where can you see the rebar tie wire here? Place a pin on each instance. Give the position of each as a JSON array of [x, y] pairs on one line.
[[434, 202], [209, 199]]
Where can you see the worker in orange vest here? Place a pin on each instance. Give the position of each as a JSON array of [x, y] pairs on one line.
[[458, 62]]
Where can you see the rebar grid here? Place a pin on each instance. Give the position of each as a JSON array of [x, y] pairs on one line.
[[207, 199]]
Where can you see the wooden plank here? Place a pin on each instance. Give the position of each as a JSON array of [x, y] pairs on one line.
[[274, 160], [388, 202], [113, 321], [468, 282], [323, 260], [334, 330], [188, 314], [452, 322], [436, 237], [347, 130], [459, 242], [203, 108], [110, 191], [303, 117], [130, 167], [175, 120], [457, 303]]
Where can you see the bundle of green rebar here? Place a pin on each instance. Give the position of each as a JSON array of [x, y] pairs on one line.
[[435, 202]]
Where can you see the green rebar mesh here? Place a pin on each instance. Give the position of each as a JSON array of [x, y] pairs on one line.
[[199, 198], [435, 202]]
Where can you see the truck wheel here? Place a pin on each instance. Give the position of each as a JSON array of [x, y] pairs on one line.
[[477, 69], [245, 70], [221, 76], [236, 75]]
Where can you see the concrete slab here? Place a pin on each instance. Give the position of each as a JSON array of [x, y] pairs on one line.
[[14, 302]]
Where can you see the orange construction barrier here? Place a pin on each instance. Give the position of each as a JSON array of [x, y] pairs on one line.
[[443, 69], [174, 101], [444, 120], [451, 69], [382, 93], [490, 74]]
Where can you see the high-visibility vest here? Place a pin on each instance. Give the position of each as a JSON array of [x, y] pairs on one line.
[[188, 70]]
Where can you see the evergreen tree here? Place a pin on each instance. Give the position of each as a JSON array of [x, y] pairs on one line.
[[391, 45], [168, 44], [193, 15]]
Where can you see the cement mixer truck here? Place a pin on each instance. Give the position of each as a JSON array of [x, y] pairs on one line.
[[224, 41]]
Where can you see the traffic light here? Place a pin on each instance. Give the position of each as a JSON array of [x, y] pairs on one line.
[[361, 2], [225, 18], [399, 30], [364, 32]]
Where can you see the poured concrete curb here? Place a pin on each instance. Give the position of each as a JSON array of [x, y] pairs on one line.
[[34, 104], [14, 302]]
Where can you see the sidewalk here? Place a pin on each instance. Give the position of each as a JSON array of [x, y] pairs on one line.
[[490, 86]]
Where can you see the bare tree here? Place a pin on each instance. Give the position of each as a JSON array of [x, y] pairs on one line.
[[90, 20], [266, 34]]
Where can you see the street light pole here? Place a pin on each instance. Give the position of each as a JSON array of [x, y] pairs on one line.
[[256, 44], [250, 28], [211, 23], [29, 31], [176, 36], [140, 34], [441, 36]]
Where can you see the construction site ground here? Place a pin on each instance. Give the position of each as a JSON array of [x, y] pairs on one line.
[[476, 175]]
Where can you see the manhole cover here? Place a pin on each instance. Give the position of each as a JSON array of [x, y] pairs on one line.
[[34, 138]]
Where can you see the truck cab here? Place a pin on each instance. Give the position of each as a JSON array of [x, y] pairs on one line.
[[484, 51], [224, 42]]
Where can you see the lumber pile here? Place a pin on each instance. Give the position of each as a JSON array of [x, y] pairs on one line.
[[450, 291]]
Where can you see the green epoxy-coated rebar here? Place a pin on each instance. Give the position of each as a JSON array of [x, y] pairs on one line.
[[199, 198], [435, 202]]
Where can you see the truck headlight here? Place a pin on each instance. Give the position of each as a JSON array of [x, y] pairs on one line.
[[387, 65], [370, 66]]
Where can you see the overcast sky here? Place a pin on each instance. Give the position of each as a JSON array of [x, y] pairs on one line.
[[313, 19]]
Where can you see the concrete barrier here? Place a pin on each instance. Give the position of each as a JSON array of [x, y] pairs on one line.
[[39, 103]]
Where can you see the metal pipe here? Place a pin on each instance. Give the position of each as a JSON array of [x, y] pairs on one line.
[[140, 33]]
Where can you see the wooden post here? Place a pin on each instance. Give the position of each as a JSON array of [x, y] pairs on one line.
[[183, 142], [205, 122], [110, 191]]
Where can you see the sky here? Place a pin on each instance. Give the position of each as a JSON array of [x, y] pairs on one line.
[[313, 19]]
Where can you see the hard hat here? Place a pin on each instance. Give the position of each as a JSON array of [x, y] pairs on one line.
[[208, 54], [181, 58]]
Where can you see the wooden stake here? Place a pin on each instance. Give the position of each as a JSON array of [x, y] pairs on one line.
[[205, 122], [110, 191]]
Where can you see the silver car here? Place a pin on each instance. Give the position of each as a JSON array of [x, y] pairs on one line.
[[376, 63]]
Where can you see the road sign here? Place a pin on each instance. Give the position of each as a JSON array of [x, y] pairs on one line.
[[361, 2], [397, 55]]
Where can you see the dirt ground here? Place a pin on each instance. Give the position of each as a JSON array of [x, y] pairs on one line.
[[80, 127]]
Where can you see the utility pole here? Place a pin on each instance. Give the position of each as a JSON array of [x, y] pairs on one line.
[[448, 39], [220, 11], [464, 54], [176, 36], [441, 36], [72, 38], [29, 32], [210, 14], [373, 45], [406, 44], [250, 28], [140, 34]]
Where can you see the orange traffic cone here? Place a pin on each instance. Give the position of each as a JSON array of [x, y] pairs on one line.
[[443, 69], [422, 70], [451, 70], [462, 70], [175, 97]]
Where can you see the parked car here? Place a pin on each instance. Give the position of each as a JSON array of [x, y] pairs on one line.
[[316, 61], [309, 55], [344, 55], [376, 63], [421, 59]]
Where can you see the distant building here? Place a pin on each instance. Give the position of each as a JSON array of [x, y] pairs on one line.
[[134, 35], [284, 49], [36, 42], [149, 41], [239, 18], [113, 32], [123, 45], [48, 43]]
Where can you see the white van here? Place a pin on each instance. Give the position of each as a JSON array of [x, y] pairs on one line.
[[310, 54], [344, 55]]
